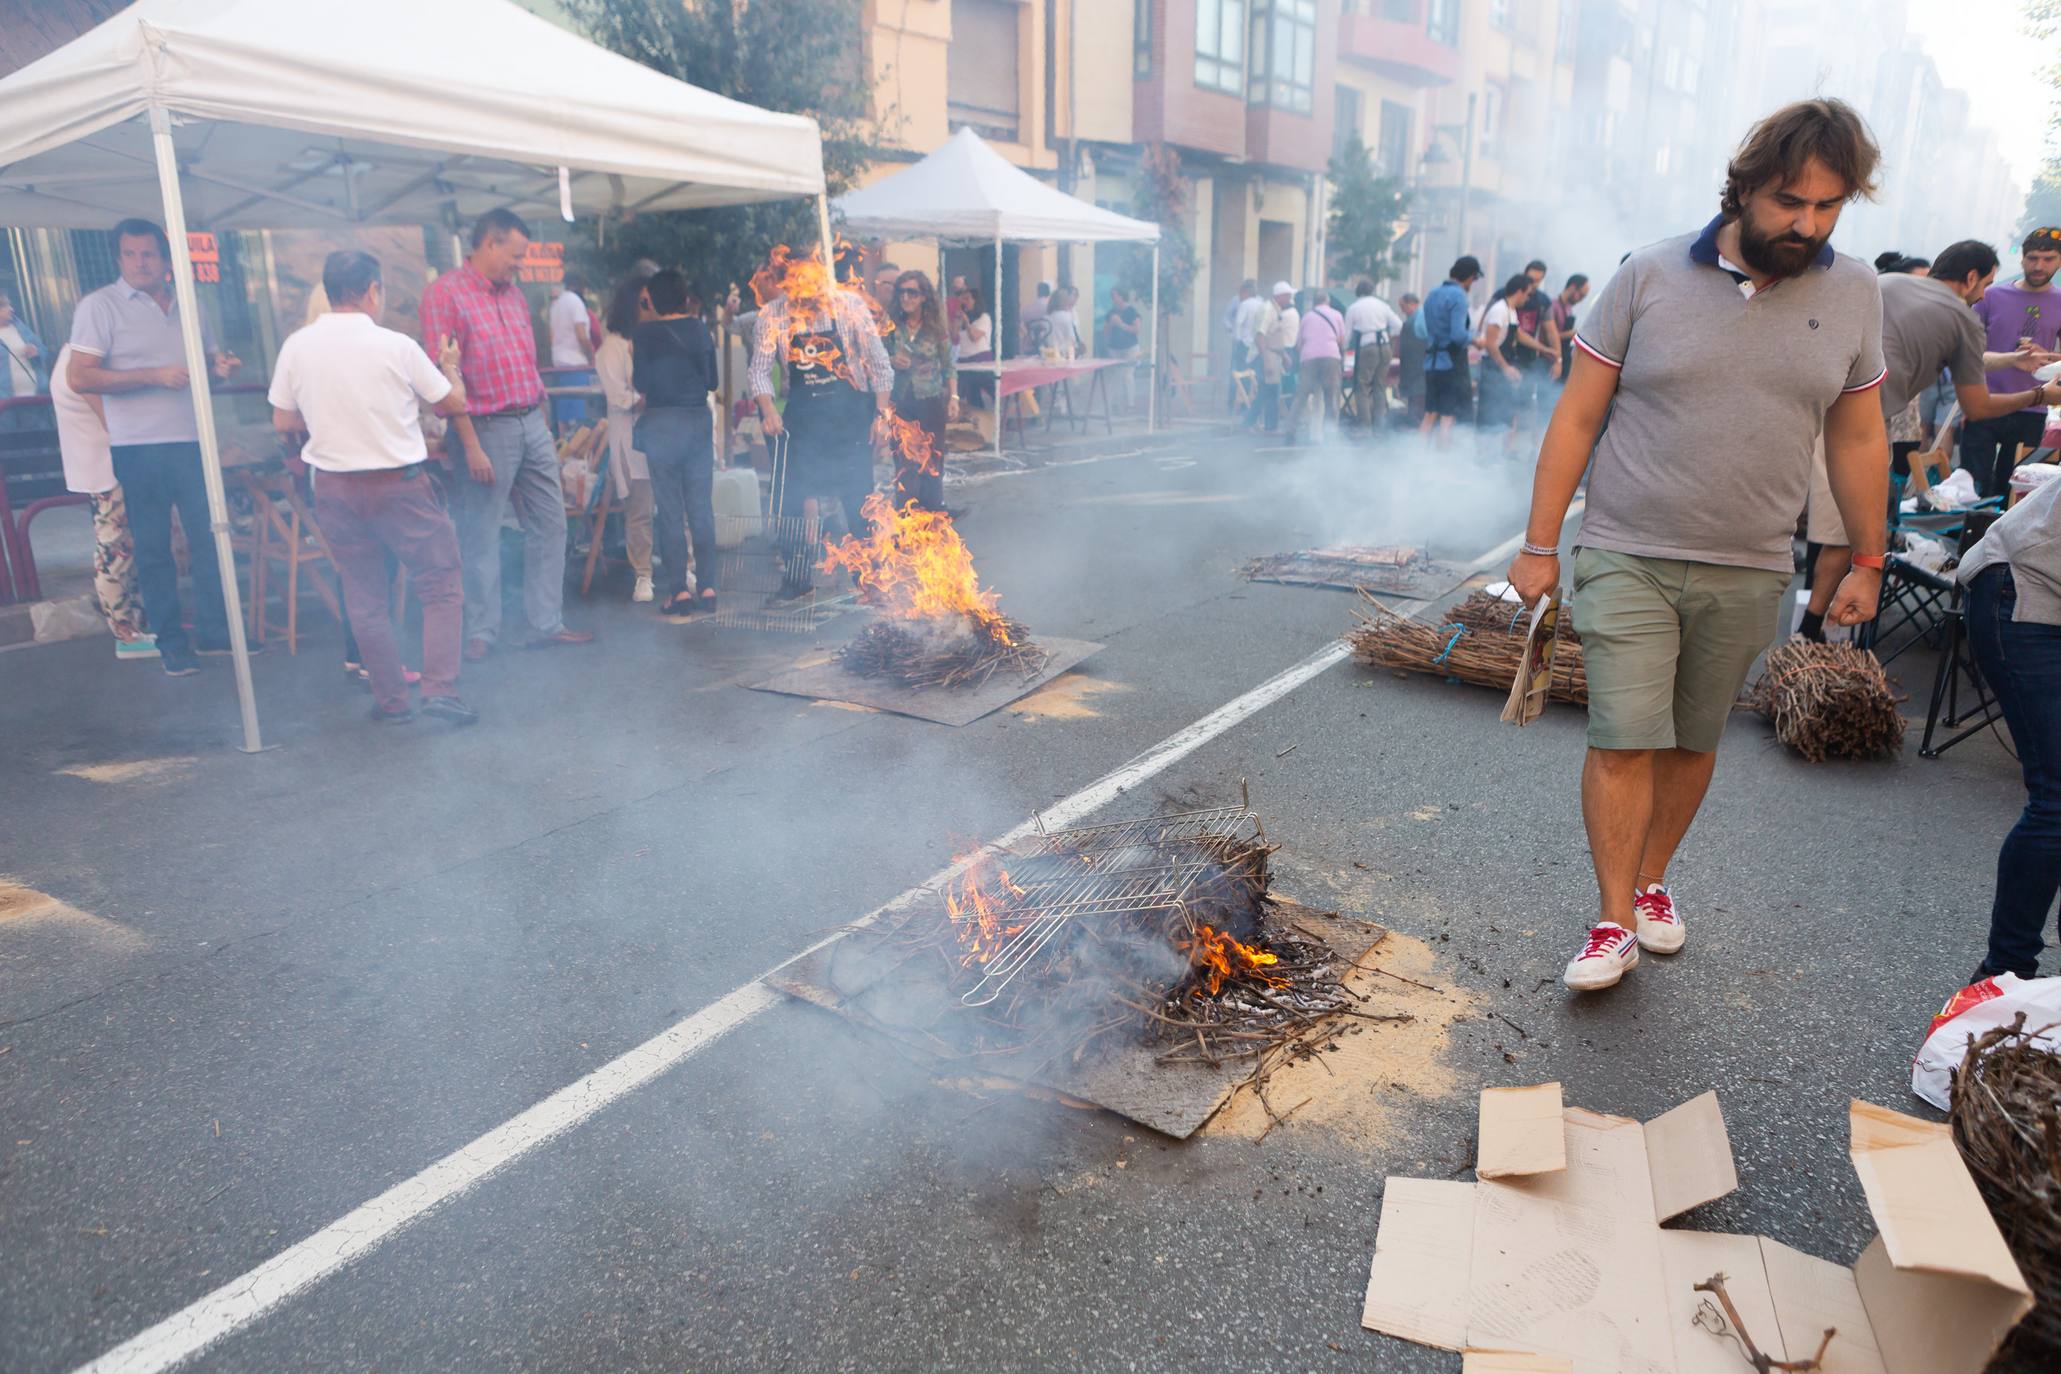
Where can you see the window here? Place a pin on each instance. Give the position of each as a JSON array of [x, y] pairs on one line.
[[1570, 28], [1141, 38], [1220, 45], [1491, 117], [1692, 72], [1442, 21], [1345, 124], [1396, 141], [1284, 55], [1499, 13], [981, 77], [1401, 11]]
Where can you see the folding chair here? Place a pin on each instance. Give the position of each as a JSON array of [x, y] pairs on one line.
[[1957, 671]]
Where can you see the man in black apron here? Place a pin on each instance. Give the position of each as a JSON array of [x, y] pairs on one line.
[[838, 379]]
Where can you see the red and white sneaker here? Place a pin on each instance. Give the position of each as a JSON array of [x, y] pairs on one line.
[[1609, 951], [1660, 921]]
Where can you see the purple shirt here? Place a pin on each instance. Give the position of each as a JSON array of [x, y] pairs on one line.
[[2010, 313], [1323, 330]]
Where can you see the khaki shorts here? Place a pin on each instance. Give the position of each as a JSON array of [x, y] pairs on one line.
[[1667, 645]]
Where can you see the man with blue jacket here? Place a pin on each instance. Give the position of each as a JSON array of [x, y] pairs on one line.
[[1448, 390]]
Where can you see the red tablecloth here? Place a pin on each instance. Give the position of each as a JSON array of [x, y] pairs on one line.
[[1021, 374]]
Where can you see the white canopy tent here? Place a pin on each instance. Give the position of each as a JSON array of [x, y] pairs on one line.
[[245, 114], [968, 192]]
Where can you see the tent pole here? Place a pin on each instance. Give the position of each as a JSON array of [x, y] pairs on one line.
[[1152, 395], [204, 415], [995, 343], [823, 228]]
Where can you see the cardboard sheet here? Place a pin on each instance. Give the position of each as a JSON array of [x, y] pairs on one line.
[[1574, 1263], [944, 705], [1521, 1132], [1353, 569], [1510, 1362]]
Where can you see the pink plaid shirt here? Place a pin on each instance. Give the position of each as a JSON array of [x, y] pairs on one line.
[[497, 347]]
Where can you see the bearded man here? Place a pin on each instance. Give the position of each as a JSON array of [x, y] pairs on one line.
[[1718, 357]]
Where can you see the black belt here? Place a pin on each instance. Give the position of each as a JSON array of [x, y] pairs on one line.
[[512, 413]]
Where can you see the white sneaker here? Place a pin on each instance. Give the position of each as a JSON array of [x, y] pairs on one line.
[[1609, 951], [142, 646], [643, 590], [1661, 930]]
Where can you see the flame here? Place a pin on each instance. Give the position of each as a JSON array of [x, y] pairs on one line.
[[1220, 958], [914, 566], [978, 901]]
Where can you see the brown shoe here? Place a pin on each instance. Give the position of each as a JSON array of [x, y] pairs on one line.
[[562, 635], [477, 649]]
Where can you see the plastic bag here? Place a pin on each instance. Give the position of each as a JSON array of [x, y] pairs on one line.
[[1972, 1012]]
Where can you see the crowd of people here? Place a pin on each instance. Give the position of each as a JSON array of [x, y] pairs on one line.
[[1303, 360]]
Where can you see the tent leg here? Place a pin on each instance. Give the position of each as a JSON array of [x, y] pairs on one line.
[[204, 416], [995, 344], [823, 228], [1152, 385]]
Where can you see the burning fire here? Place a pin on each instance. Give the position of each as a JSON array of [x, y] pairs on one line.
[[914, 566], [978, 902], [1220, 957]]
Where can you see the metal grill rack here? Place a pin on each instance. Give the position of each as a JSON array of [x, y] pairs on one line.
[[752, 552], [1124, 868]]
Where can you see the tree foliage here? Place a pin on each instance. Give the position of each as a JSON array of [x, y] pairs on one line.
[[1366, 208], [1166, 197], [2043, 202], [795, 56]]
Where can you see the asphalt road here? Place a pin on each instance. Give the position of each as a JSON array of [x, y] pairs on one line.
[[281, 984]]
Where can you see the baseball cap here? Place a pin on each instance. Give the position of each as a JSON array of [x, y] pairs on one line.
[[1282, 288]]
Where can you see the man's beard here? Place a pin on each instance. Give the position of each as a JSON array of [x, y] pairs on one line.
[[2036, 280], [1782, 255]]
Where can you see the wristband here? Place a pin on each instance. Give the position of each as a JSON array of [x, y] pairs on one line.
[[1539, 550], [1868, 560]]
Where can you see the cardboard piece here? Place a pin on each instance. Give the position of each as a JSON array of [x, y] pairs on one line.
[[1571, 1264], [1521, 1132], [1511, 1362], [944, 705]]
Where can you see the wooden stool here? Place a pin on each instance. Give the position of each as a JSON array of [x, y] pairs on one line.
[[285, 532]]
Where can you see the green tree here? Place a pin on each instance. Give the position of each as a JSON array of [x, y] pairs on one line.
[[2043, 202], [795, 56], [1366, 208], [1166, 197]]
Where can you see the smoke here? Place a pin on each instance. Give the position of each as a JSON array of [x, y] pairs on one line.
[[1403, 488]]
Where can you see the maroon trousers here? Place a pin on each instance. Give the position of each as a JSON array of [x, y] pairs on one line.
[[364, 515]]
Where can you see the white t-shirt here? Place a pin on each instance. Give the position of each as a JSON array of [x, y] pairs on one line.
[[358, 387], [1245, 324], [81, 433], [16, 357], [1369, 316], [568, 330], [1498, 315]]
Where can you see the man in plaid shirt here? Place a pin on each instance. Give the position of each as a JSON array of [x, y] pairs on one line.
[[507, 444]]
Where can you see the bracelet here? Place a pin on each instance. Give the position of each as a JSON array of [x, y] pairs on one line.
[[1539, 550]]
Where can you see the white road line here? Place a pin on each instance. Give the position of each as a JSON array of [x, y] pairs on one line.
[[299, 1267]]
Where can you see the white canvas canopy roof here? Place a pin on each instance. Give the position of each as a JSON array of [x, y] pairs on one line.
[[250, 114], [376, 112], [967, 190]]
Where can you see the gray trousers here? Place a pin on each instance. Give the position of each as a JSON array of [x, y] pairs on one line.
[[525, 476]]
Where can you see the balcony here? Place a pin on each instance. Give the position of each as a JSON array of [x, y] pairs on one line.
[[1401, 49]]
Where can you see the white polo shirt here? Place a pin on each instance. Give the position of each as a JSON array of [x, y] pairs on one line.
[[81, 433], [358, 387]]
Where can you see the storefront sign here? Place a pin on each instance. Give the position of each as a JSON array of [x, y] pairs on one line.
[[207, 257], [543, 262]]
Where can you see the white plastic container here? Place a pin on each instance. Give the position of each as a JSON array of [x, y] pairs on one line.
[[738, 513]]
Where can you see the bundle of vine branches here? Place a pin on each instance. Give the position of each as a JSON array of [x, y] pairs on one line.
[[1829, 701], [2006, 1116], [1485, 655], [1480, 611], [914, 654]]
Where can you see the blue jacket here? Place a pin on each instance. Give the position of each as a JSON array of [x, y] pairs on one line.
[[39, 366], [1446, 327]]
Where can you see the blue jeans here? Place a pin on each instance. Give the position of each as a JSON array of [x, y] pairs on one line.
[[157, 479], [680, 456], [2021, 662], [525, 476]]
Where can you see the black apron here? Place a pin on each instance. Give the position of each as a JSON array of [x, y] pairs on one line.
[[829, 419]]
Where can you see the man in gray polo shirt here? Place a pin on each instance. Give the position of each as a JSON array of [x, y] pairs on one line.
[[1718, 357], [127, 348], [1928, 323]]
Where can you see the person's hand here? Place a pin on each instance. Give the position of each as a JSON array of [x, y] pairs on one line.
[[29, 350], [1553, 373], [225, 363], [173, 378], [1510, 372], [448, 355], [1533, 575], [901, 359], [1854, 602], [952, 407], [770, 423], [479, 466]]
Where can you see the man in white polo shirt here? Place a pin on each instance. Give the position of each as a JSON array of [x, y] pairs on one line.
[[355, 390], [1718, 357], [127, 348]]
